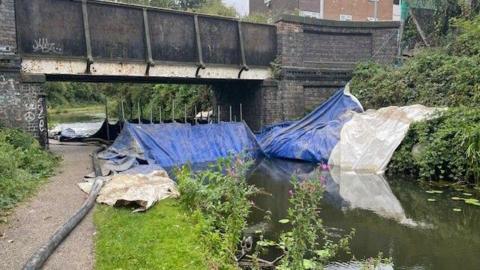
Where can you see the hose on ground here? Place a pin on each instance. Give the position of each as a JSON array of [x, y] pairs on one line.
[[37, 260]]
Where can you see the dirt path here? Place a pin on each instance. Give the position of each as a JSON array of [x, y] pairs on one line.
[[33, 222]]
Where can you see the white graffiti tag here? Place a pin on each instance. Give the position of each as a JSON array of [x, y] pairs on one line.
[[29, 117], [41, 114], [4, 82], [44, 46]]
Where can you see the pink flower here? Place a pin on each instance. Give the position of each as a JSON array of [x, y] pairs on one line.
[[290, 192], [325, 167]]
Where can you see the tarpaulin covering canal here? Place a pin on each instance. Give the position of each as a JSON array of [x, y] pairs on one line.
[[175, 144], [338, 132]]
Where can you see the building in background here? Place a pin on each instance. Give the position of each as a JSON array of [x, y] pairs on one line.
[[342, 10]]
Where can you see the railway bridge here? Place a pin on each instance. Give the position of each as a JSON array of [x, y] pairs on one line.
[[277, 71]]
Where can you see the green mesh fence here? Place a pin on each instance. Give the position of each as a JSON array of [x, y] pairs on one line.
[[417, 4], [425, 4]]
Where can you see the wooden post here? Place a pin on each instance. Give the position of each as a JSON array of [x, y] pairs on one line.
[[139, 113], [419, 28]]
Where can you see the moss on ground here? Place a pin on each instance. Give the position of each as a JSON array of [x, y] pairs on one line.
[[165, 237]]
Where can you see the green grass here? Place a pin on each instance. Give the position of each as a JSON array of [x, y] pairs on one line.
[[165, 237], [23, 167]]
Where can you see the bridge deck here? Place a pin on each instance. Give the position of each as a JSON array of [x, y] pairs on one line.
[[96, 38]]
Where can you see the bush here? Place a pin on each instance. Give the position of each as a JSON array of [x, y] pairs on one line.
[[307, 245], [444, 148], [23, 166], [221, 196], [431, 78], [466, 42]]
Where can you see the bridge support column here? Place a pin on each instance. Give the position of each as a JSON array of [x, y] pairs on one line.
[[23, 104], [22, 97], [22, 101], [263, 103]]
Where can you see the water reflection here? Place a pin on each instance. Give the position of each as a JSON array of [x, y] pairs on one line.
[[378, 209], [366, 191], [344, 190]]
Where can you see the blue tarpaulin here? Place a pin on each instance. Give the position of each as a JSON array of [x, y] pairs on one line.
[[313, 137], [174, 144]]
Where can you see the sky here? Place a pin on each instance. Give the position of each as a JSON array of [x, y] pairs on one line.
[[240, 5]]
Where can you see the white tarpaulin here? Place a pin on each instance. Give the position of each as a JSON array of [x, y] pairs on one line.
[[141, 189], [368, 140]]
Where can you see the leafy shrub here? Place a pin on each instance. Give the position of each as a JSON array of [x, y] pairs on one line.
[[23, 166], [431, 78], [466, 42], [221, 196], [444, 148]]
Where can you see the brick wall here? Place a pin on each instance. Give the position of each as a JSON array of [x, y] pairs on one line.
[[308, 42], [360, 10], [317, 58], [23, 105]]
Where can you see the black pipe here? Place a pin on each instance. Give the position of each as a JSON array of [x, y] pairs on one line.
[[43, 253]]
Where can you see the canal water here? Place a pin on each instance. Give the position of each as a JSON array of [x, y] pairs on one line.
[[390, 215]]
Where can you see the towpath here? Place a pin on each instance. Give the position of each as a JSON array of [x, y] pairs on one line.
[[34, 221]]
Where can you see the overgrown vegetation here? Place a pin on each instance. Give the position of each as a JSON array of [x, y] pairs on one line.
[[446, 147], [307, 245], [221, 197], [23, 166]]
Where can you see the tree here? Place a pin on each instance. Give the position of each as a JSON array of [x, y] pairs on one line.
[[154, 3], [217, 7], [190, 4]]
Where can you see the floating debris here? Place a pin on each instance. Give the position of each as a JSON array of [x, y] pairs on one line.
[[457, 210], [284, 221], [434, 191], [431, 200], [472, 202]]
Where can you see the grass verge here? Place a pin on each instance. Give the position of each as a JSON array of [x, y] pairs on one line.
[[23, 167], [165, 237]]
